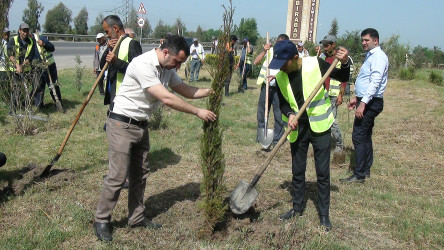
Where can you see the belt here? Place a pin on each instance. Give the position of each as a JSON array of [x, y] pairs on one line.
[[128, 120], [195, 58]]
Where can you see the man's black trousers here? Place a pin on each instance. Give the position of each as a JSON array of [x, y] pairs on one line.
[[362, 136], [299, 150]]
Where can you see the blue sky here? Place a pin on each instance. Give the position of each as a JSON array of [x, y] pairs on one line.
[[417, 22]]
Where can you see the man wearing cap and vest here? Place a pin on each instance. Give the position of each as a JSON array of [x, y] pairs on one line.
[[296, 80], [302, 51], [336, 89], [246, 59], [273, 98], [21, 53], [4, 57], [98, 53], [231, 54], [45, 47], [118, 61], [197, 59]]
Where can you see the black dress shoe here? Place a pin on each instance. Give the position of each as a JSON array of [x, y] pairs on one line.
[[103, 231], [325, 222], [367, 176], [353, 178], [290, 214], [147, 224]]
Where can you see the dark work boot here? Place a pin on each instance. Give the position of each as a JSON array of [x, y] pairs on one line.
[[290, 214], [325, 222], [103, 231]]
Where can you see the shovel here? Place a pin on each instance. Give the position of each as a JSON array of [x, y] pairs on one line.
[[244, 195], [74, 123], [265, 136], [53, 84]]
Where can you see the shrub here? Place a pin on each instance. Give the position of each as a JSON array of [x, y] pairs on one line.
[[407, 73], [79, 73], [435, 78]]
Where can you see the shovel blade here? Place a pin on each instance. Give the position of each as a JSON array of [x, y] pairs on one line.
[[265, 137], [242, 197]]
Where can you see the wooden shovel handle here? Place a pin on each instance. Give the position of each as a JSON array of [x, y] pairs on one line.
[[91, 92], [288, 130], [267, 83]]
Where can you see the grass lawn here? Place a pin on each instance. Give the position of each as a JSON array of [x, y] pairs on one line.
[[400, 206]]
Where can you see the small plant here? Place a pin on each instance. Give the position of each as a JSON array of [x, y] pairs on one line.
[[79, 73], [407, 73], [155, 121], [435, 78]]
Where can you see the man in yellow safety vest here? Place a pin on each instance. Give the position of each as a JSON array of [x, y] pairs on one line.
[[296, 80]]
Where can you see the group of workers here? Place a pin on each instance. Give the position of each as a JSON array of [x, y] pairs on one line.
[[26, 59], [137, 83]]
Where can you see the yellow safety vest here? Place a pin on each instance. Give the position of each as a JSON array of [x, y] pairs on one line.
[[17, 53], [319, 111], [263, 72], [248, 57], [48, 55], [123, 55], [335, 86]]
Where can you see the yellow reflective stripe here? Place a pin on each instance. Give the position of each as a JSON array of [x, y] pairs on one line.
[[123, 55], [263, 72], [17, 55], [321, 117]]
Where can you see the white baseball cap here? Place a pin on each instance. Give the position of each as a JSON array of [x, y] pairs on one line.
[[100, 35]]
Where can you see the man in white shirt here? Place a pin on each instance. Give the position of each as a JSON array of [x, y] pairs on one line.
[[302, 51], [197, 59], [369, 103], [143, 89]]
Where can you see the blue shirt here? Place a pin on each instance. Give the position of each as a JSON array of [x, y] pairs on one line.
[[372, 78]]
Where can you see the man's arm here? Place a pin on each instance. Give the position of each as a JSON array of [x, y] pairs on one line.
[[261, 55], [191, 92], [174, 102], [378, 66], [46, 44]]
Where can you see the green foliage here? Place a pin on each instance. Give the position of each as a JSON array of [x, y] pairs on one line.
[[97, 27], [248, 29], [78, 82], [419, 58], [58, 19], [155, 121], [435, 78], [310, 47], [81, 22], [351, 40], [31, 14], [132, 23], [212, 157], [334, 27], [161, 29], [407, 73], [179, 27], [438, 56], [200, 33], [396, 53]]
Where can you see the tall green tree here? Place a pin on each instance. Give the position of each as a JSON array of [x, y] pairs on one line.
[[97, 27], [334, 27], [179, 27], [4, 8], [352, 41], [32, 13], [200, 33], [248, 29], [161, 30], [81, 22], [396, 53], [58, 19]]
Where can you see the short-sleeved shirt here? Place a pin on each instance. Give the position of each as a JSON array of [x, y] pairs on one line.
[[144, 71]]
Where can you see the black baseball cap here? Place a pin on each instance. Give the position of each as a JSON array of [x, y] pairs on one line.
[[283, 51]]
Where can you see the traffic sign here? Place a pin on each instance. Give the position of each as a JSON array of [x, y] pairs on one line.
[[141, 22], [141, 9]]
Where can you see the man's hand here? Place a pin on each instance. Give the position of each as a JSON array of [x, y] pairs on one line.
[[206, 115], [95, 71], [352, 104], [112, 43], [202, 61], [40, 43], [267, 46], [292, 123], [342, 55], [18, 68], [339, 100], [111, 57], [360, 110]]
